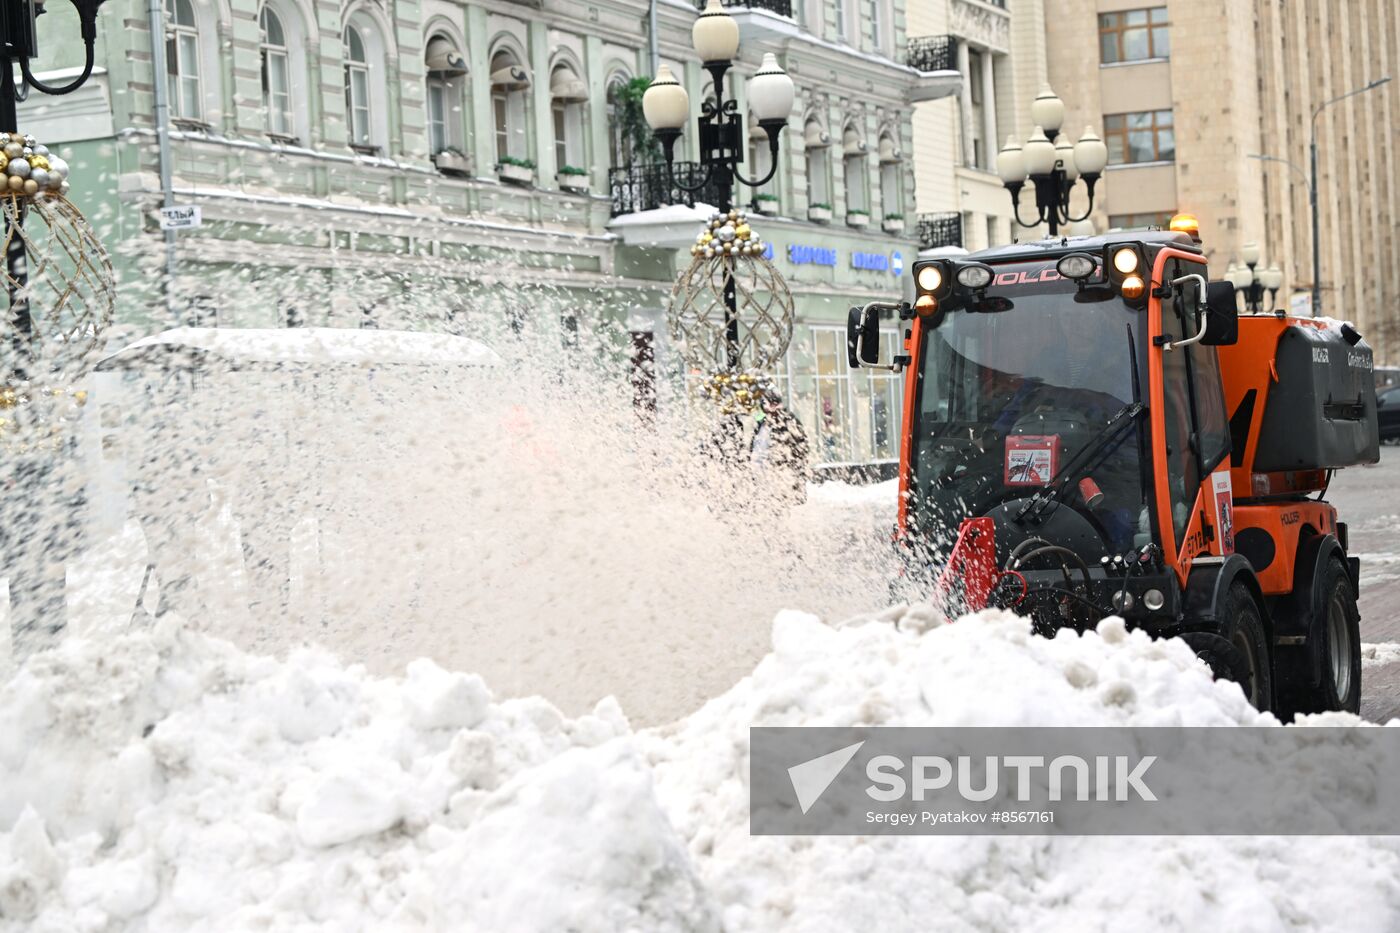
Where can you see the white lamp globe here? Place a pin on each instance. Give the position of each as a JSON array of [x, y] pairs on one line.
[[1048, 111], [1064, 154], [1040, 153], [665, 104], [1250, 253], [1241, 277], [1090, 153], [715, 35], [1011, 162], [1272, 277], [770, 91]]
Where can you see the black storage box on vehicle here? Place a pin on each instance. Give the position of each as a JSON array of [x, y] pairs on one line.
[[1321, 413]]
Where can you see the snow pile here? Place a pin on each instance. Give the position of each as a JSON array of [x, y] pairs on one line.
[[166, 781]]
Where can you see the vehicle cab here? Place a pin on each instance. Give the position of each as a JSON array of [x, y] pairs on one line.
[[1069, 391]]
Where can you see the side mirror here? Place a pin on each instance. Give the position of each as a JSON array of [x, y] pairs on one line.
[[1222, 323], [863, 337]]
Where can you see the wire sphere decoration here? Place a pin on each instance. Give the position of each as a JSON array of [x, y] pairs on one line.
[[68, 295], [729, 255]]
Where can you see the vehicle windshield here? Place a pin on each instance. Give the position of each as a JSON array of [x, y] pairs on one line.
[[1008, 398]]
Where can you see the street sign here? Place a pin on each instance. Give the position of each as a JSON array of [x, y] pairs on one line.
[[1300, 304], [180, 217]]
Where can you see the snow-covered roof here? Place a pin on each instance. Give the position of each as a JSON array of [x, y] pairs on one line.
[[315, 345]]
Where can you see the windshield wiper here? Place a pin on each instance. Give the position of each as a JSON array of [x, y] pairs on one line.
[[1054, 490]]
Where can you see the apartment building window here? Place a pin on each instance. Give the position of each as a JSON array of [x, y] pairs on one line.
[[842, 24], [182, 60], [357, 112], [1139, 137], [1133, 35], [276, 80], [977, 94], [877, 24], [818, 163], [447, 71], [1149, 219], [509, 82]]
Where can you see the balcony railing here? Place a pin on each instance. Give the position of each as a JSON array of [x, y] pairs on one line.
[[647, 187], [937, 230], [776, 7], [932, 53]]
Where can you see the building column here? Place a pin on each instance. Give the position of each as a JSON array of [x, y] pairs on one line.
[[483, 141], [965, 104], [990, 142], [542, 105]]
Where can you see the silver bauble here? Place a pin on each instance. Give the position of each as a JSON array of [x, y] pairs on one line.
[[18, 167]]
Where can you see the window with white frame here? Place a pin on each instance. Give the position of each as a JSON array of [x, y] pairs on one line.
[[818, 163], [875, 14], [567, 93], [891, 204], [760, 160], [854, 172], [842, 24], [446, 91], [182, 60], [357, 100], [276, 74], [849, 417], [509, 82]]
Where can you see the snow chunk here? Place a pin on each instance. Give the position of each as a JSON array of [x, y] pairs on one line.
[[347, 805], [439, 700]]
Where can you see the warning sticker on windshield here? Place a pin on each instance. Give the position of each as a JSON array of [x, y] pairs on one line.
[[1031, 459]]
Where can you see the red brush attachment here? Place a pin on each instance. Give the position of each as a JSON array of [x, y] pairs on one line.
[[971, 574]]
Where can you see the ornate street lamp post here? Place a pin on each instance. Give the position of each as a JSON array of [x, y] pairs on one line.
[[1251, 283], [1052, 166], [666, 106]]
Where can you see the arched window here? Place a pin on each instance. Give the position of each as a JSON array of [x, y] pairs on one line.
[[276, 75], [817, 142], [891, 197], [509, 82], [447, 71], [357, 104], [855, 176], [182, 61], [760, 161], [567, 94]]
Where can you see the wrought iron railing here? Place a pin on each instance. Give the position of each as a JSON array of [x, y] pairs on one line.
[[937, 230], [932, 53], [647, 187], [776, 7]]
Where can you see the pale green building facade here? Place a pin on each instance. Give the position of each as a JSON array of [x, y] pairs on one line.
[[403, 164]]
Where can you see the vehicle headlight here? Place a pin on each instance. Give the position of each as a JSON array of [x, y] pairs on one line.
[[974, 276], [930, 279], [1125, 260], [1075, 266]]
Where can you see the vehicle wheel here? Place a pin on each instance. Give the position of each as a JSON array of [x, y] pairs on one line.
[[1243, 628], [1225, 661], [1339, 684]]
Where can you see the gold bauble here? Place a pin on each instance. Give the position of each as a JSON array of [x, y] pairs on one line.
[[39, 161]]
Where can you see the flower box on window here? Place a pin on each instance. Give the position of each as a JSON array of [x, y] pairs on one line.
[[519, 171], [893, 223], [857, 219], [572, 179], [451, 162], [821, 213], [766, 204]]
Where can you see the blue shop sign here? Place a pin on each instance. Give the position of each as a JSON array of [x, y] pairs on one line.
[[871, 262], [897, 262], [801, 255]]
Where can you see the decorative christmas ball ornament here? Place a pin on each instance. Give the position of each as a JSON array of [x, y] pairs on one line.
[[23, 161], [68, 291], [730, 265]]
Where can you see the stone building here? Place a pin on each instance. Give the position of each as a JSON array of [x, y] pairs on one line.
[[1186, 93], [997, 48], [382, 161]]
